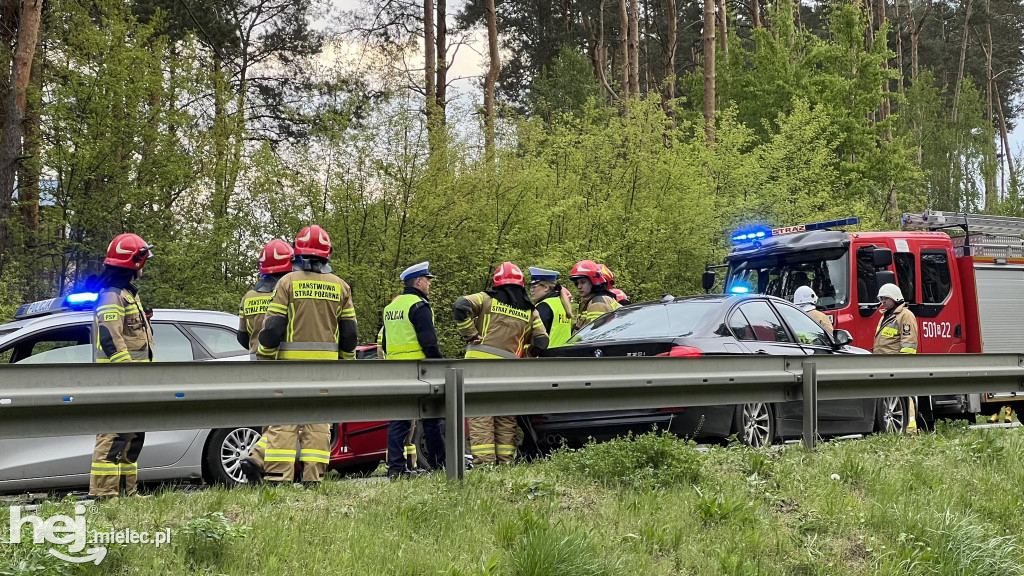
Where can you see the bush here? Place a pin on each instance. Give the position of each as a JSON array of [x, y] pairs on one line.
[[651, 461], [206, 538]]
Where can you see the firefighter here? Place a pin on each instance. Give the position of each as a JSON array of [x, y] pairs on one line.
[[805, 299], [498, 323], [897, 334], [620, 297], [275, 261], [310, 317], [124, 335], [409, 334], [552, 305], [595, 299]]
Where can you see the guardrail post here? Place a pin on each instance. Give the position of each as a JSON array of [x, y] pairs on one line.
[[454, 424], [810, 383]]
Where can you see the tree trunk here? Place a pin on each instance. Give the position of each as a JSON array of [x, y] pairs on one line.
[[13, 130], [797, 6], [723, 28], [634, 46], [755, 14], [991, 193], [709, 70], [899, 46], [490, 80], [28, 172], [624, 47], [8, 33], [869, 32], [672, 17], [963, 58], [915, 35], [430, 59], [884, 112], [441, 60], [1006, 144]]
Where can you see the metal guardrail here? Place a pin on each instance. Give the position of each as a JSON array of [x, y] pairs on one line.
[[50, 400]]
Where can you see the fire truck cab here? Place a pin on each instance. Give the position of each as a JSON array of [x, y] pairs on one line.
[[967, 291]]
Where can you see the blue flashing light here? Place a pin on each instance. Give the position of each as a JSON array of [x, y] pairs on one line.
[[751, 235], [739, 289], [81, 298], [755, 234]]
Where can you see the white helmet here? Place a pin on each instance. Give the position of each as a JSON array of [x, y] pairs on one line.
[[805, 296], [890, 291]]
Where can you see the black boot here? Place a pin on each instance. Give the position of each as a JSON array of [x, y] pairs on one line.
[[252, 471]]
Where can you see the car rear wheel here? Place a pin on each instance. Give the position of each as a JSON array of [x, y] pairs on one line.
[[891, 415], [755, 424], [225, 451]]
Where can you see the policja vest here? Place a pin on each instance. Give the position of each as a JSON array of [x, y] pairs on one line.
[[561, 324], [402, 343]]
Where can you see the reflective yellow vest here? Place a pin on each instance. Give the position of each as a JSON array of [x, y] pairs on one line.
[[561, 324], [399, 332]]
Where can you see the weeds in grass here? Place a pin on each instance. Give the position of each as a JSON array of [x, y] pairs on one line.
[[207, 538], [651, 461]]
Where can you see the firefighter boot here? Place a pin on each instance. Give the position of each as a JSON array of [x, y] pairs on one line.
[[911, 417]]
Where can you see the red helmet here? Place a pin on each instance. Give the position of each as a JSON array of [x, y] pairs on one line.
[[607, 273], [313, 241], [588, 269], [620, 296], [566, 293], [508, 273], [276, 257], [128, 251]]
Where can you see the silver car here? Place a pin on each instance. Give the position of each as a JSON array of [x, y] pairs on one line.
[[53, 332]]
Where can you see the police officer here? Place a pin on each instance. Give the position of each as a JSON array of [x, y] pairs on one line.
[[805, 299], [595, 298], [124, 335], [897, 334], [498, 323], [275, 261], [310, 317], [552, 305], [409, 334]]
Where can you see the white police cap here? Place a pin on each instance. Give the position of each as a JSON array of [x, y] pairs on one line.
[[542, 275], [417, 270]]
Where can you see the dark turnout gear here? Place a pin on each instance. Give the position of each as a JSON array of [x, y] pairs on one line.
[[252, 310], [497, 324], [123, 330]]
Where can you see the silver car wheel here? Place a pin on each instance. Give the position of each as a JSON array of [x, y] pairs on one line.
[[235, 447], [892, 414], [756, 425]]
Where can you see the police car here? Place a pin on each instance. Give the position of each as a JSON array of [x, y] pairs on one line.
[[58, 331]]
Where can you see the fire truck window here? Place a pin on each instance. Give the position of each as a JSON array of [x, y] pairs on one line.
[[766, 325], [906, 276], [867, 291], [935, 279]]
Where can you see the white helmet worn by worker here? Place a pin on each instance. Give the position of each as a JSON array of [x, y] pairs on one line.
[[805, 298], [890, 291]]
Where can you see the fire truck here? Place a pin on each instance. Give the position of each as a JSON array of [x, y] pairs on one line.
[[962, 275]]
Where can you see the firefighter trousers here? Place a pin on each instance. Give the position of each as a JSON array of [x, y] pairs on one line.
[[492, 439], [259, 449], [115, 464], [308, 443]]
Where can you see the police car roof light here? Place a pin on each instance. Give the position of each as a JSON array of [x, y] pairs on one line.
[[81, 298], [739, 289]]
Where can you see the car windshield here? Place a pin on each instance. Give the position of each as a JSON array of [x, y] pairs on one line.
[[827, 272], [672, 319]]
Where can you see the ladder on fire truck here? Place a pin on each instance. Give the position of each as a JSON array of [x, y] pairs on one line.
[[984, 235]]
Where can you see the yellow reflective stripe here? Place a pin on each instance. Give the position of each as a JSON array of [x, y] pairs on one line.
[[505, 449], [410, 450], [908, 350], [279, 455], [465, 323], [129, 468], [264, 351], [889, 332], [347, 313], [262, 443], [104, 473], [280, 451], [479, 354], [347, 355], [482, 449], [320, 452], [105, 465], [479, 298], [307, 355], [275, 307]]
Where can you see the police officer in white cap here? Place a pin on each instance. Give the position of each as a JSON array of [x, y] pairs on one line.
[[409, 334], [552, 305]]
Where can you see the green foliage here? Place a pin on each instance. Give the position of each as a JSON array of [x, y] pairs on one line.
[[651, 461], [206, 539]]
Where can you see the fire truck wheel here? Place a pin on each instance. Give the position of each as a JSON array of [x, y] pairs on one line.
[[891, 415]]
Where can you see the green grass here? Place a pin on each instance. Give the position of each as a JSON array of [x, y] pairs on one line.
[[948, 503]]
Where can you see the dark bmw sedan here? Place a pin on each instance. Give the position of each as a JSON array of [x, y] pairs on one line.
[[706, 325]]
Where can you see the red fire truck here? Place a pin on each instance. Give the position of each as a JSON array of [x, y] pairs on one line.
[[966, 287]]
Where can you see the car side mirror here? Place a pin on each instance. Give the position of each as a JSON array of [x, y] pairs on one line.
[[842, 338], [708, 280], [881, 257], [883, 277]]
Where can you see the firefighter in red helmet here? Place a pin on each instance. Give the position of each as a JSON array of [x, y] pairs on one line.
[[123, 335], [275, 261], [595, 298], [499, 323], [310, 317]]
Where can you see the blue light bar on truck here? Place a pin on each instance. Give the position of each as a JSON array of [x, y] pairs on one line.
[[761, 233], [74, 301]]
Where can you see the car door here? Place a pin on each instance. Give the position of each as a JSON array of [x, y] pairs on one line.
[[834, 416], [63, 461]]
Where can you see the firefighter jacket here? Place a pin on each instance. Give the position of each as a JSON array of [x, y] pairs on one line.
[[896, 332], [594, 306], [124, 333], [251, 311], [310, 317], [497, 330], [822, 320], [556, 320], [408, 331]]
